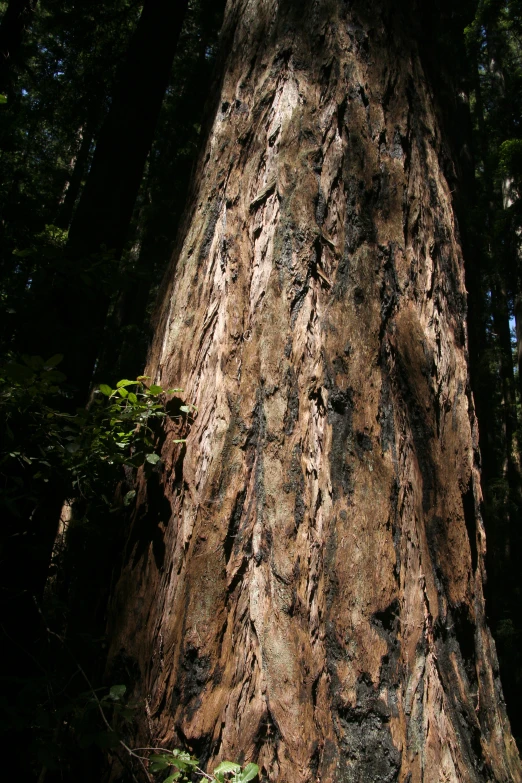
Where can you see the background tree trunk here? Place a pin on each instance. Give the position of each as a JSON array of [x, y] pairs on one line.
[[303, 582], [16, 19], [102, 217]]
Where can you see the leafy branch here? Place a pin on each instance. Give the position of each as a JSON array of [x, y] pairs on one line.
[[84, 450]]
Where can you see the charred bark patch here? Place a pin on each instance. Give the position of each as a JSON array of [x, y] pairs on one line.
[[301, 290], [368, 752], [387, 624], [320, 207], [386, 416], [292, 404], [387, 621], [360, 225], [296, 484], [363, 444], [257, 436], [340, 415], [194, 673], [389, 287], [210, 228], [332, 586], [335, 654]]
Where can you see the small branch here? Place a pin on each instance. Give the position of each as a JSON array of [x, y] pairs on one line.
[[141, 759]]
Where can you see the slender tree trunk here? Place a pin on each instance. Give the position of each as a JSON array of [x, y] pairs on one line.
[[74, 182], [303, 582], [518, 325], [106, 205], [16, 19]]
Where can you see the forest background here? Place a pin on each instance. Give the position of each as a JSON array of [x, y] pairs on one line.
[[99, 134]]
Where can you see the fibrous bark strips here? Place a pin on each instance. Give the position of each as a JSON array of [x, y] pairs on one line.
[[304, 585]]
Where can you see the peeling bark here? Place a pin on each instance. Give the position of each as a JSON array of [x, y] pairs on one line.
[[303, 587]]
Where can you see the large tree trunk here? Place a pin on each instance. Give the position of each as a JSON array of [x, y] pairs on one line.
[[303, 583]]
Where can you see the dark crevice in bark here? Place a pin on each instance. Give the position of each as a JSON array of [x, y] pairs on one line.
[[233, 525], [152, 516], [468, 503], [340, 413]]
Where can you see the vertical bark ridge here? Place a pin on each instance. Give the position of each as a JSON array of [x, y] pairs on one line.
[[319, 604]]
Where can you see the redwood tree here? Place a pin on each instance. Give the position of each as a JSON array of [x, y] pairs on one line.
[[303, 583]]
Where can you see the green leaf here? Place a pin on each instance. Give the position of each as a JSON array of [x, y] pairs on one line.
[[123, 392], [180, 440], [153, 458], [55, 376], [117, 692], [171, 778], [248, 773], [18, 372], [160, 761], [155, 390], [186, 408], [53, 361], [158, 766], [126, 383], [34, 362], [105, 389], [129, 497], [226, 767], [132, 398], [73, 447], [3, 99]]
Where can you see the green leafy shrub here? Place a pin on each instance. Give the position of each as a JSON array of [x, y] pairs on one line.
[[85, 450], [183, 764]]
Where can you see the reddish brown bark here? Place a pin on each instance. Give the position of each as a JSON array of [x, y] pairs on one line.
[[303, 583]]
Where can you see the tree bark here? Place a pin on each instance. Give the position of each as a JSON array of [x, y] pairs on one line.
[[303, 581]]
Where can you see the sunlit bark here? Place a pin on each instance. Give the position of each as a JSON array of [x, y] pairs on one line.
[[303, 581]]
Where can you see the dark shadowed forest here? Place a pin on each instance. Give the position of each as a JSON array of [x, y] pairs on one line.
[[261, 390]]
